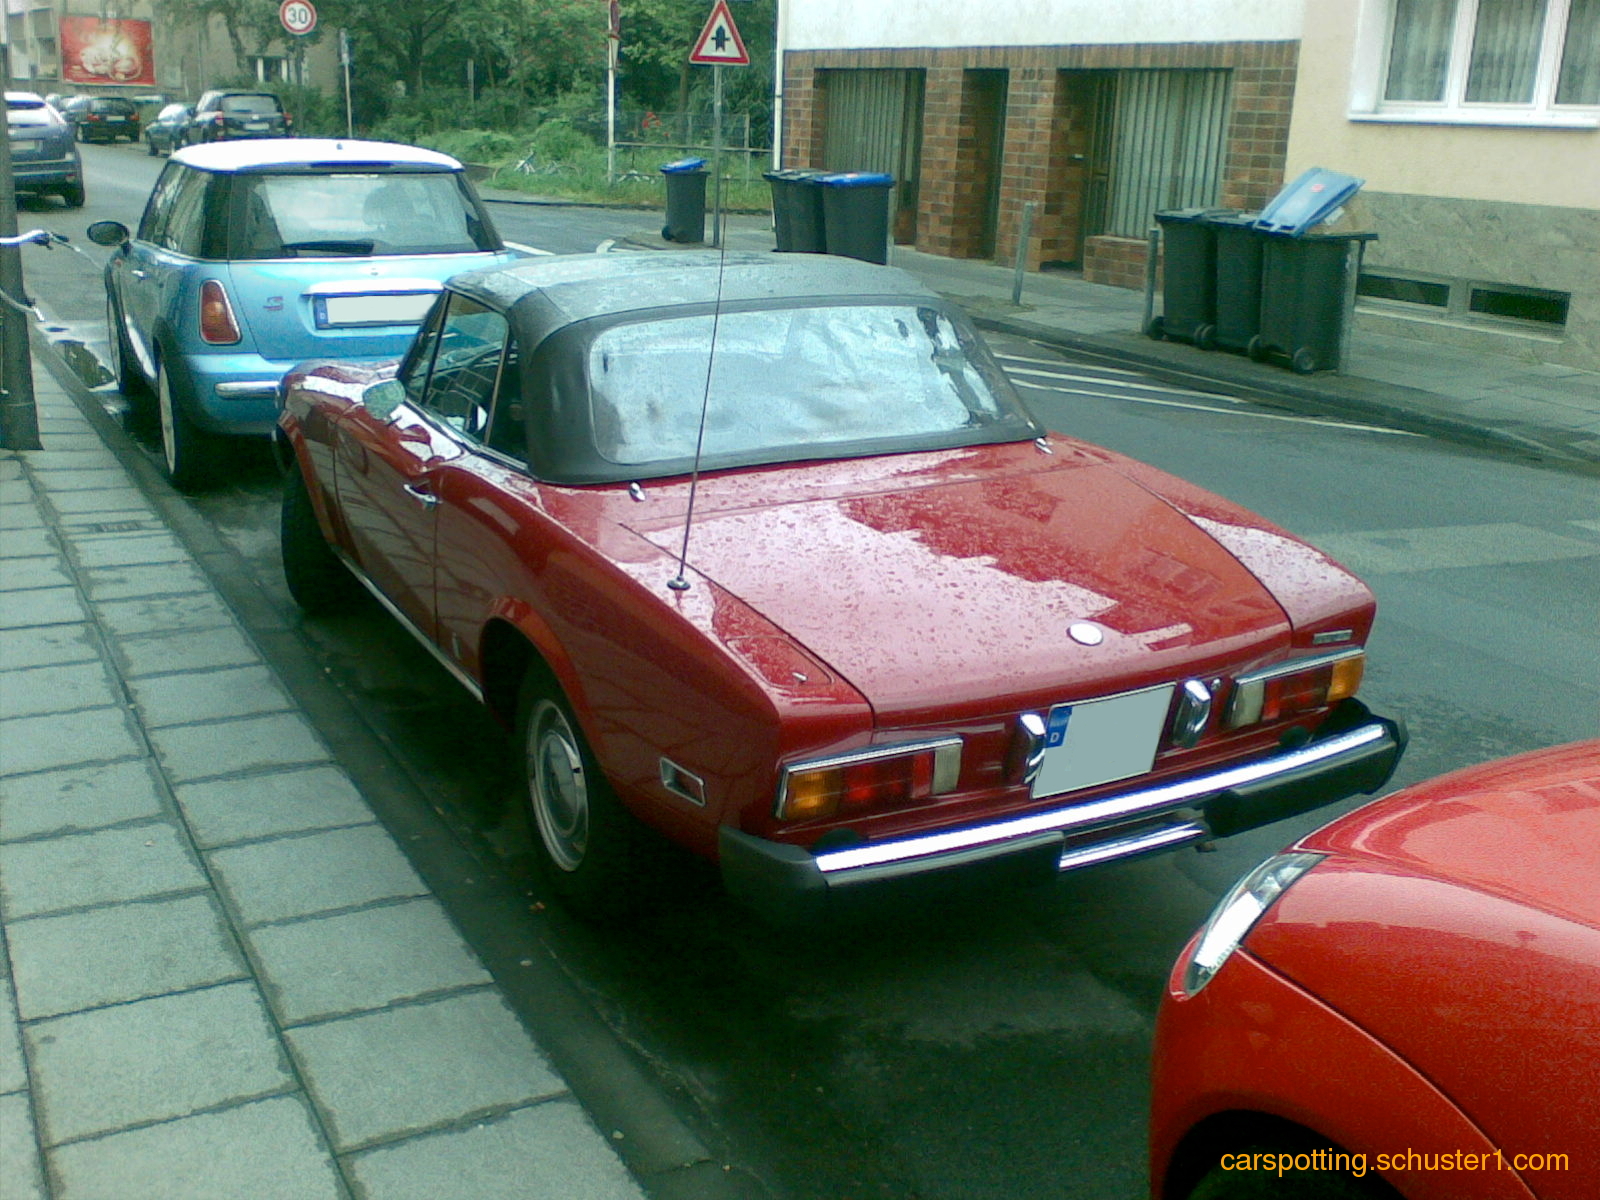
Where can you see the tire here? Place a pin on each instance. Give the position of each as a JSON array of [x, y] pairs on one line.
[[317, 579], [73, 195], [1218, 1184], [186, 448], [586, 843], [131, 382], [150, 146]]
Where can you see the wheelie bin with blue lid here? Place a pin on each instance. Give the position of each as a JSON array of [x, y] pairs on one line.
[[686, 200], [855, 214]]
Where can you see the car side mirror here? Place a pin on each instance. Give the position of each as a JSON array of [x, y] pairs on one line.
[[108, 233], [382, 398]]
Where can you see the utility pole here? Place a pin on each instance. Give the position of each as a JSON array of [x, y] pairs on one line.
[[19, 417]]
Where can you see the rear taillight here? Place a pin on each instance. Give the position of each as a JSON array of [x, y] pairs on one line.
[[874, 778], [217, 325], [1295, 687]]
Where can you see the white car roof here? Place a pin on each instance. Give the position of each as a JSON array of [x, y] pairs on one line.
[[254, 153]]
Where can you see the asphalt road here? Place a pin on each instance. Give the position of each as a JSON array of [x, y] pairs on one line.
[[981, 1044]]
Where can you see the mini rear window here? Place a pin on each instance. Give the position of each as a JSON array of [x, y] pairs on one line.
[[250, 104], [30, 112], [317, 214]]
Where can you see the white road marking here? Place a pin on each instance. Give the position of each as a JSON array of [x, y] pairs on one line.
[[1254, 414], [1056, 362], [1592, 526], [1147, 386], [1379, 551], [528, 249], [605, 246]]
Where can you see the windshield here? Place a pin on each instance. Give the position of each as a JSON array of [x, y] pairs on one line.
[[359, 213], [795, 383]]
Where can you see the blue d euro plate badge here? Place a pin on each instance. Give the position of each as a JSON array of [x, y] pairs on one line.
[[1102, 741]]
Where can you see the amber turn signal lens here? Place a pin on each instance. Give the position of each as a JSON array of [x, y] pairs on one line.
[[880, 777]]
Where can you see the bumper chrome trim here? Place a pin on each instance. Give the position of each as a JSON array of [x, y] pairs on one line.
[[247, 389], [924, 852]]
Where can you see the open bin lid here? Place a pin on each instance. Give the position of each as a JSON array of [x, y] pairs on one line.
[[1309, 200], [683, 166]]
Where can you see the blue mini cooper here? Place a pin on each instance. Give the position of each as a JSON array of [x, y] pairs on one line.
[[252, 256]]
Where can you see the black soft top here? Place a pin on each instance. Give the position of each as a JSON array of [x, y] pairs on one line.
[[543, 295]]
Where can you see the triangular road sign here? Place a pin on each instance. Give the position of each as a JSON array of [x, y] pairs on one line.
[[719, 44]]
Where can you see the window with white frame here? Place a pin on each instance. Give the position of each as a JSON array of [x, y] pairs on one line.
[[1490, 61]]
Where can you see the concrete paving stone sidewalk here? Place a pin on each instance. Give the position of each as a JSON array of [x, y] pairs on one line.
[[219, 976]]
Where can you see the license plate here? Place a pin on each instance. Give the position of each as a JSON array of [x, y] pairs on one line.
[[255, 124], [1102, 741], [403, 308], [113, 120]]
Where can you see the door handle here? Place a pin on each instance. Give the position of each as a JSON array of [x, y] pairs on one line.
[[420, 493]]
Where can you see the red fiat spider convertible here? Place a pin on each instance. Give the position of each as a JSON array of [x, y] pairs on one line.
[[766, 556]]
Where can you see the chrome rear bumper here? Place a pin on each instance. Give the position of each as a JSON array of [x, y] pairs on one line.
[[778, 879]]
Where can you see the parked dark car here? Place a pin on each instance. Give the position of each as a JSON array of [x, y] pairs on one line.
[[165, 133], [43, 157], [102, 118], [913, 633], [224, 116]]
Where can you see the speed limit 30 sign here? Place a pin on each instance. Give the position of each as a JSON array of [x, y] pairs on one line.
[[298, 16]]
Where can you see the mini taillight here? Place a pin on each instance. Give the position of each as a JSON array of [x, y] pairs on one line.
[[1294, 687], [217, 325], [874, 778]]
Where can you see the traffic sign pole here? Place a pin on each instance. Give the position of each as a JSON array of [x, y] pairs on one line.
[[716, 157], [719, 45]]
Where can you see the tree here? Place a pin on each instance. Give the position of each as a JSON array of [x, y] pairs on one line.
[[657, 36], [251, 25], [397, 39]]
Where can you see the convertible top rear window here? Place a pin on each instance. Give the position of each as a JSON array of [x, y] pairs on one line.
[[793, 383]]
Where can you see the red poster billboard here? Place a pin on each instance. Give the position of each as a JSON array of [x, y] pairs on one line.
[[101, 51]]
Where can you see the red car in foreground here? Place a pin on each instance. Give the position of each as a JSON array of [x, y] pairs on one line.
[[1405, 1002], [766, 555]]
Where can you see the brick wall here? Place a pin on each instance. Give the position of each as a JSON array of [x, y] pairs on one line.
[[1048, 115]]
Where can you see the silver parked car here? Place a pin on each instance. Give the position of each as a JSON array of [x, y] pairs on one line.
[[44, 157]]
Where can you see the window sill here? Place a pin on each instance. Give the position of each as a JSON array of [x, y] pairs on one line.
[[1501, 120]]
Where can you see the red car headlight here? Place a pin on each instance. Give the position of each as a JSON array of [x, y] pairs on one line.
[[1296, 686], [1237, 912], [875, 777]]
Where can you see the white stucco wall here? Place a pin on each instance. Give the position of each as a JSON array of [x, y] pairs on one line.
[[1516, 165], [890, 24]]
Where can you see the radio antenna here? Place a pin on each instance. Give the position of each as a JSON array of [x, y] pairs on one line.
[[680, 582]]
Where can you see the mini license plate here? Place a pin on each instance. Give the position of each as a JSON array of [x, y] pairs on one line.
[[403, 308], [1101, 741], [255, 124]]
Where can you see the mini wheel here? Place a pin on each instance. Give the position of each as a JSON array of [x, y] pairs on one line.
[[186, 448]]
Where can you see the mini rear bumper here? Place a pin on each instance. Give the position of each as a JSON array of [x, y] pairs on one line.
[[1356, 754]]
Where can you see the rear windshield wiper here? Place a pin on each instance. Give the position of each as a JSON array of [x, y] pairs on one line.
[[331, 246]]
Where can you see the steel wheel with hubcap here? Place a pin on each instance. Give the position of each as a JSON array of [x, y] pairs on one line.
[[584, 838]]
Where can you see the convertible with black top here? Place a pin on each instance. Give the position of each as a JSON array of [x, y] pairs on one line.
[[765, 555]]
